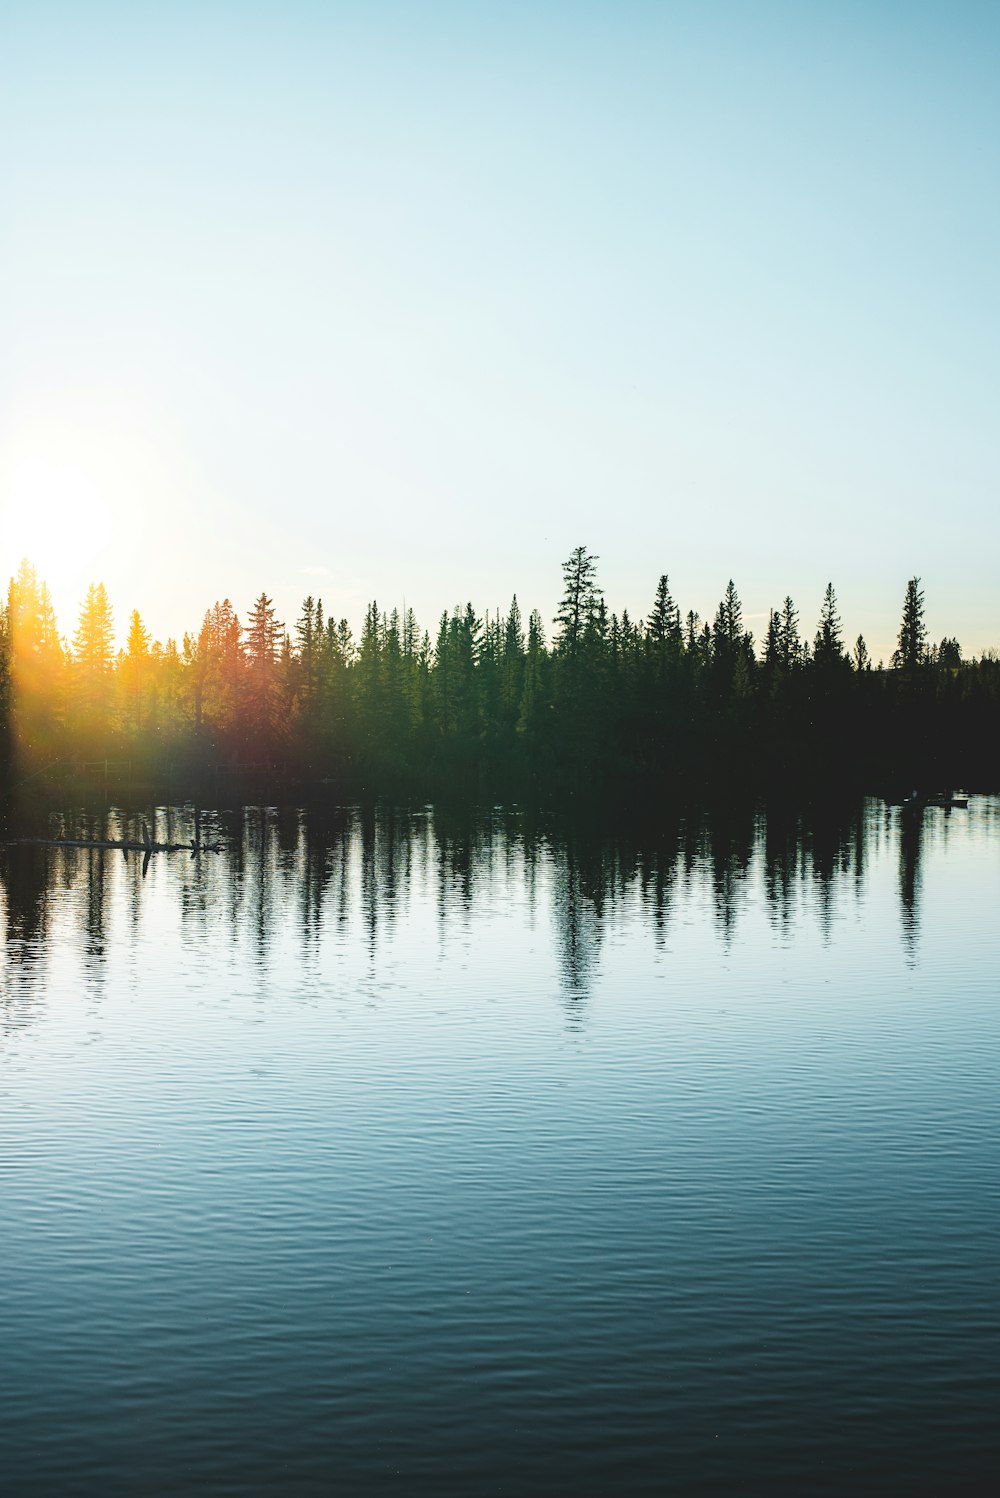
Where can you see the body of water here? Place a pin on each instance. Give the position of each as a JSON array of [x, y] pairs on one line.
[[400, 1152]]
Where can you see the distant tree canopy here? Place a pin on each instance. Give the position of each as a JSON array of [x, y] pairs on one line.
[[666, 700]]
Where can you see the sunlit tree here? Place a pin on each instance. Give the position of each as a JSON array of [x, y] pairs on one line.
[[134, 673], [36, 666], [93, 663]]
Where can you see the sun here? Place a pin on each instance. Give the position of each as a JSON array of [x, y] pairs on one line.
[[53, 512], [61, 484]]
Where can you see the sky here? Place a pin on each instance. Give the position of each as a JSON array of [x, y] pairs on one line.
[[405, 301]]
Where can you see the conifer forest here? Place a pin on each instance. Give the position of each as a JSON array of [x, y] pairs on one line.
[[505, 703]]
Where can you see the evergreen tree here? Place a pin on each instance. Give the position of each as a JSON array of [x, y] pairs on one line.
[[456, 657], [729, 644], [93, 643], [579, 601], [36, 666], [345, 642], [215, 670], [6, 695], [134, 671], [263, 720], [828, 645], [704, 647], [264, 635], [727, 631], [366, 680], [512, 664], [533, 694], [337, 715], [692, 632], [411, 635], [308, 641], [396, 699], [93, 662], [665, 619], [912, 648], [791, 645]]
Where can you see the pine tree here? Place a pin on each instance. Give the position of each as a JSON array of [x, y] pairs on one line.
[[6, 696], [93, 660], [791, 646], [93, 643], [411, 635], [337, 712], [512, 663], [263, 719], [533, 691], [396, 700], [728, 641], [36, 665], [263, 635], [366, 677], [133, 672], [727, 631], [308, 638], [579, 601], [828, 645], [665, 619], [912, 649], [216, 662], [692, 631]]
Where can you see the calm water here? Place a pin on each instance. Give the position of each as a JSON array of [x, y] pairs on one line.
[[396, 1154]]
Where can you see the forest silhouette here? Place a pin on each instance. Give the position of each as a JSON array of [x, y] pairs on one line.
[[595, 703]]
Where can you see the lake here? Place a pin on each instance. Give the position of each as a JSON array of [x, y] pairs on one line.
[[410, 1152]]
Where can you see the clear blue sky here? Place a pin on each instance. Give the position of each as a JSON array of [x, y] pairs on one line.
[[407, 300]]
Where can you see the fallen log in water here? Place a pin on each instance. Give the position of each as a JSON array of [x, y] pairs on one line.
[[113, 844]]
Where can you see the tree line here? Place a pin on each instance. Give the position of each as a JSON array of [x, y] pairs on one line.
[[596, 700]]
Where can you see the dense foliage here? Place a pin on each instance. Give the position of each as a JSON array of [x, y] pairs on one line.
[[490, 702]]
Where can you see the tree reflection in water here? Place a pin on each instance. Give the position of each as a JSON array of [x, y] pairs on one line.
[[333, 865]]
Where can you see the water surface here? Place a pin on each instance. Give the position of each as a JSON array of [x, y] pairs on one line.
[[400, 1152]]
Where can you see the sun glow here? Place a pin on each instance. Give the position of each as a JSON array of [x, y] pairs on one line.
[[76, 496], [54, 511]]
